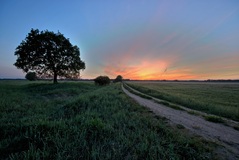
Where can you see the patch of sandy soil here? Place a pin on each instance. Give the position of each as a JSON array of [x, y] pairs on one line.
[[226, 136]]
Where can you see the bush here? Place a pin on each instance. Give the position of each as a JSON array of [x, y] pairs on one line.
[[31, 76], [102, 80], [119, 78]]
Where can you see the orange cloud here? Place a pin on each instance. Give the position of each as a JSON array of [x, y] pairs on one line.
[[133, 68], [153, 69]]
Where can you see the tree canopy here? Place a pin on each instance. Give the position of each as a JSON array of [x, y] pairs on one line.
[[49, 54], [119, 78]]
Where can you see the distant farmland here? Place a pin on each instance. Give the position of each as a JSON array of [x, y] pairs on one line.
[[217, 98]]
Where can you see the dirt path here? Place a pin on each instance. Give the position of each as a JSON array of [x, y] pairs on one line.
[[226, 136]]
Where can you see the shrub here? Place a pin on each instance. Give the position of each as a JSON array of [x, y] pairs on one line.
[[102, 80], [31, 76], [119, 78]]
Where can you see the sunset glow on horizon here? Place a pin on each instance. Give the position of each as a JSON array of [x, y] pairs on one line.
[[143, 40]]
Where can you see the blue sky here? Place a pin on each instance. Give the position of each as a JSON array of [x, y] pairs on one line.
[[161, 39]]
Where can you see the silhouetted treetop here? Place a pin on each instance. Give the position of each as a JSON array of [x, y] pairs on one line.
[[119, 78]]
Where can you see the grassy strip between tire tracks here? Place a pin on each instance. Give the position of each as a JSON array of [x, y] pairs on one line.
[[171, 105]]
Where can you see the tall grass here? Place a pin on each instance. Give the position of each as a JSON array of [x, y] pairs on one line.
[[215, 98], [84, 121]]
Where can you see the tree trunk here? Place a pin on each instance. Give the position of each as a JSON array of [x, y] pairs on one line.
[[55, 78]]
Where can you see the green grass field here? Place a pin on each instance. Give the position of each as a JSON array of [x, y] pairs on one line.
[[221, 99], [78, 120]]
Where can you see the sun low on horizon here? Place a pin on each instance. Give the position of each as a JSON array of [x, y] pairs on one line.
[[141, 40]]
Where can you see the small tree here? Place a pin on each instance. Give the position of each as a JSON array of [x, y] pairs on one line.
[[119, 78], [31, 76], [48, 54], [102, 80]]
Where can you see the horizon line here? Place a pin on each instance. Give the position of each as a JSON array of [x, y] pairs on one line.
[[162, 80]]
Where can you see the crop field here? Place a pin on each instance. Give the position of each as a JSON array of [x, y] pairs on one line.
[[220, 99], [79, 120]]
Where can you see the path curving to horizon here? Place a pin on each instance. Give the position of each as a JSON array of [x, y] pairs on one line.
[[225, 136]]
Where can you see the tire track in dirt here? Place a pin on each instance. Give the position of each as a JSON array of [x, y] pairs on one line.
[[219, 133]]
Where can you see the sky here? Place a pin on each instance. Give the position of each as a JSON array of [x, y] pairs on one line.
[[138, 39]]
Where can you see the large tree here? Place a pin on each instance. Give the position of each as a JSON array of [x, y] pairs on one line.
[[49, 54]]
